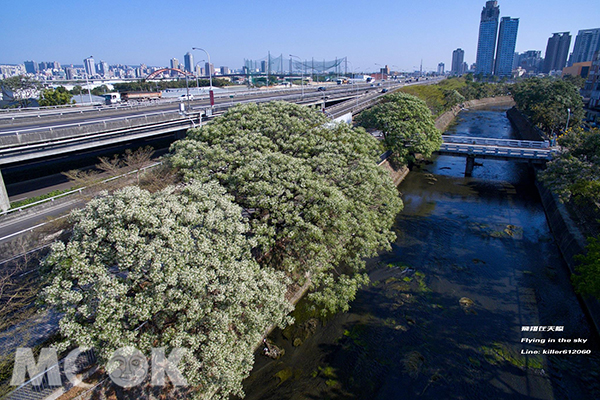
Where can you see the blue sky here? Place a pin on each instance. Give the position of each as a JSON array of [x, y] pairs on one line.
[[394, 32]]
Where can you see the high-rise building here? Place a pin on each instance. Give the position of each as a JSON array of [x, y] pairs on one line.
[[70, 73], [486, 45], [531, 61], [440, 69], [209, 69], [188, 60], [557, 51], [90, 66], [587, 43], [31, 67], [224, 70], [174, 63], [458, 59], [103, 69], [592, 85], [507, 41]]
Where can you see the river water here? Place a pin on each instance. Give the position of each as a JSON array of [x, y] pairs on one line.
[[473, 267]]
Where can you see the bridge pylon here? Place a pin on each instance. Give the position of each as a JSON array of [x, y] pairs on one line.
[[4, 202]]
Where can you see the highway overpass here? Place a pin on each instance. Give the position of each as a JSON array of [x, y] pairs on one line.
[[30, 135]]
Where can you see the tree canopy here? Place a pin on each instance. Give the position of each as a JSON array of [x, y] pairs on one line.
[[587, 278], [547, 102], [407, 125], [172, 269], [575, 172], [317, 201], [55, 97]]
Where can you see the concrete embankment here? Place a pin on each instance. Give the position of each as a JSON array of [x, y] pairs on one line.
[[567, 235], [444, 120]]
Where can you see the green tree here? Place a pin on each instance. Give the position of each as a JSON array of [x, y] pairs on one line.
[[577, 80], [317, 201], [547, 102], [575, 172], [55, 97], [587, 277], [407, 125], [23, 88], [170, 269]]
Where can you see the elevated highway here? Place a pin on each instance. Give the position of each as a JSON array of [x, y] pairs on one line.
[[38, 134]]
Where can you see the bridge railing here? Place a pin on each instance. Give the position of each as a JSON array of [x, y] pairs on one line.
[[539, 154], [496, 142]]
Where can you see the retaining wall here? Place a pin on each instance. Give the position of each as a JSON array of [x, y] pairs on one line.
[[444, 120], [568, 237], [523, 126]]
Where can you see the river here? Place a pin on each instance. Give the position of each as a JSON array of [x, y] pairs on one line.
[[452, 308]]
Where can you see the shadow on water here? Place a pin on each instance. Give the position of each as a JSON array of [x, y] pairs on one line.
[[473, 263]]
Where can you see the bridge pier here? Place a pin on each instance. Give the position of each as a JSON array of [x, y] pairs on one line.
[[470, 165], [4, 202]]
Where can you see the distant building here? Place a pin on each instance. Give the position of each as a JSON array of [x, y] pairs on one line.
[[209, 69], [587, 43], [69, 73], [507, 41], [263, 66], [90, 66], [188, 60], [103, 69], [486, 45], [557, 51], [578, 69], [440, 69], [224, 70], [458, 60], [174, 63], [531, 61], [592, 84], [31, 67]]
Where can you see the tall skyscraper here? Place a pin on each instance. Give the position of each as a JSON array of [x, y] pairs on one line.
[[209, 69], [488, 30], [507, 41], [90, 66], [31, 67], [103, 69], [458, 59], [587, 43], [557, 51], [188, 60], [440, 69], [174, 63]]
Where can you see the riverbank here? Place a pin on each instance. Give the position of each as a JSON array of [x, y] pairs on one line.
[[474, 262], [444, 120], [567, 235]]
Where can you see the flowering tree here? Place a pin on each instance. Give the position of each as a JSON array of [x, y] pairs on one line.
[[318, 203], [172, 269], [407, 126]]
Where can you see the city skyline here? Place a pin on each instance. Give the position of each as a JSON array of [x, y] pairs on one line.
[[398, 34]]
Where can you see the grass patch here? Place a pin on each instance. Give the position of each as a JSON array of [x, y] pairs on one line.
[[498, 353]]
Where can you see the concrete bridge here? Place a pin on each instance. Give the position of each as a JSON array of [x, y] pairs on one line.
[[502, 149]]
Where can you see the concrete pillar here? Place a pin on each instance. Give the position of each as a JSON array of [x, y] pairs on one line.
[[470, 165], [4, 202]]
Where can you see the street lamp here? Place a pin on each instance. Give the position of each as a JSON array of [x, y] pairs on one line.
[[354, 79], [301, 75], [568, 118], [212, 96]]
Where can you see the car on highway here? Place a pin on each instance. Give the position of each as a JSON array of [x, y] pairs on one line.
[[321, 89], [184, 97], [384, 90]]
